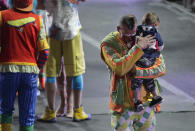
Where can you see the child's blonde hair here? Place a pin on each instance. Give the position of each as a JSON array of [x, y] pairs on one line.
[[150, 18]]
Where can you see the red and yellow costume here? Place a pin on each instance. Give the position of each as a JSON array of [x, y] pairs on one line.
[[22, 38]]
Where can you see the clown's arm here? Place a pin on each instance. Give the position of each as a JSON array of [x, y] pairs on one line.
[[43, 47], [117, 63]]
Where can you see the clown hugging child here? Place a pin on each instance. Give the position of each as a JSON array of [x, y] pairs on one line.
[[149, 26]]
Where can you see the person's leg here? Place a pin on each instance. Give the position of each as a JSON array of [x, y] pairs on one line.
[[136, 88], [53, 67], [62, 92], [145, 121], [151, 87], [75, 66], [122, 122], [77, 98], [77, 85], [27, 94], [51, 92], [8, 88], [132, 121], [69, 97], [50, 113]]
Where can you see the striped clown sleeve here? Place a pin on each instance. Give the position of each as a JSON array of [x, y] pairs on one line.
[[43, 56], [117, 63]]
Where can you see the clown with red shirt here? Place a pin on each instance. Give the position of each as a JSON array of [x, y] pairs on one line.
[[22, 36]]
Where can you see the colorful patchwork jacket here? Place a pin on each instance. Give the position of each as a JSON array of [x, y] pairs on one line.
[[23, 37], [120, 60]]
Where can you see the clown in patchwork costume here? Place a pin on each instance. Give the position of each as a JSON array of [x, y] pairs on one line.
[[22, 38], [121, 60]]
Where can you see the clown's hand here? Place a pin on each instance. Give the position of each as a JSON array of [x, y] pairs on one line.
[[145, 42]]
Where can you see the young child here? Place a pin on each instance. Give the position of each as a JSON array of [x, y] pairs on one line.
[[23, 35], [149, 26]]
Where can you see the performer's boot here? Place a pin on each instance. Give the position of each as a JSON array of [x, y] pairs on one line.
[[138, 106], [5, 127], [49, 116], [80, 115], [155, 101], [6, 122], [26, 128]]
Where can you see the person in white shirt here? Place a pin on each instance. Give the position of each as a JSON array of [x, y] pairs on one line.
[[65, 42]]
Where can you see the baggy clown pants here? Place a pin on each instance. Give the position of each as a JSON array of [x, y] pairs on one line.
[[26, 86], [133, 121]]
